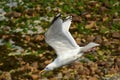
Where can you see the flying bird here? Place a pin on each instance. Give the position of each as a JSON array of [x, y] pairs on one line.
[[60, 39]]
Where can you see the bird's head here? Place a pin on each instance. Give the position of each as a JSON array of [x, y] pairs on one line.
[[90, 47], [49, 67]]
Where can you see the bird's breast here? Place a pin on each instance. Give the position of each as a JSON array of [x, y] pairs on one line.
[[67, 60], [68, 57]]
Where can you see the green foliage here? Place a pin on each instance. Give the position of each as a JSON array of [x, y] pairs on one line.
[[91, 57], [116, 26]]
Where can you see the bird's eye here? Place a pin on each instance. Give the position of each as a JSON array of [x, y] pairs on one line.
[[47, 68]]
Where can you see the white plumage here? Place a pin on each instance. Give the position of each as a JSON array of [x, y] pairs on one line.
[[60, 39]]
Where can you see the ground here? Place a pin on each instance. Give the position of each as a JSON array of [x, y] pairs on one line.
[[24, 53]]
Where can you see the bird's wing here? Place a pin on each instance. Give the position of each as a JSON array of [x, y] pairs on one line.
[[59, 37]]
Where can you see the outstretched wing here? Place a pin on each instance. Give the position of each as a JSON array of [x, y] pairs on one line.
[[59, 37]]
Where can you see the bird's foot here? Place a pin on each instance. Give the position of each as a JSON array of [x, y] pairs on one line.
[[91, 50]]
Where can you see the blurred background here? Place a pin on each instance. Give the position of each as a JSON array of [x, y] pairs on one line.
[[24, 53]]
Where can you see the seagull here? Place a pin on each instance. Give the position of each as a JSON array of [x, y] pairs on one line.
[[60, 39]]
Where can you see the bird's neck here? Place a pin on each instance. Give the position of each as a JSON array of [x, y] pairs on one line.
[[54, 64]]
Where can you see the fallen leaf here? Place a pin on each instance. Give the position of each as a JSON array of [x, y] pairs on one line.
[[90, 24]]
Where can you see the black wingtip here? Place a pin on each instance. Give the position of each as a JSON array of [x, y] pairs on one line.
[[69, 17], [57, 16]]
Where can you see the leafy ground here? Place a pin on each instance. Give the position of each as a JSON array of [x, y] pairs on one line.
[[24, 53]]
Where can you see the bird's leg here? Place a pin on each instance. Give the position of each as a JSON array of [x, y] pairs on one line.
[[91, 50]]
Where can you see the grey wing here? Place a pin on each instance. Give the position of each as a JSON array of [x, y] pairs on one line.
[[59, 37], [66, 26]]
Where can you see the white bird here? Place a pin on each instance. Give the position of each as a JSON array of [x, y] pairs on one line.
[[60, 39]]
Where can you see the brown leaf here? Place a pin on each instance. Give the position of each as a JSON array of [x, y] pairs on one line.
[[88, 16], [5, 76], [27, 37], [92, 78], [39, 37], [116, 35], [106, 43], [98, 39], [119, 49], [112, 71], [90, 24], [13, 14], [90, 38], [35, 76], [105, 19], [76, 18], [78, 40], [5, 36], [35, 64]]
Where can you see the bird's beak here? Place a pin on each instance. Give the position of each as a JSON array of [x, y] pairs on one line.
[[42, 71]]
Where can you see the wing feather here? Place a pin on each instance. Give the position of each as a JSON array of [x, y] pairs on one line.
[[59, 37]]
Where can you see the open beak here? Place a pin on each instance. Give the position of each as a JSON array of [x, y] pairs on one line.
[[42, 71]]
